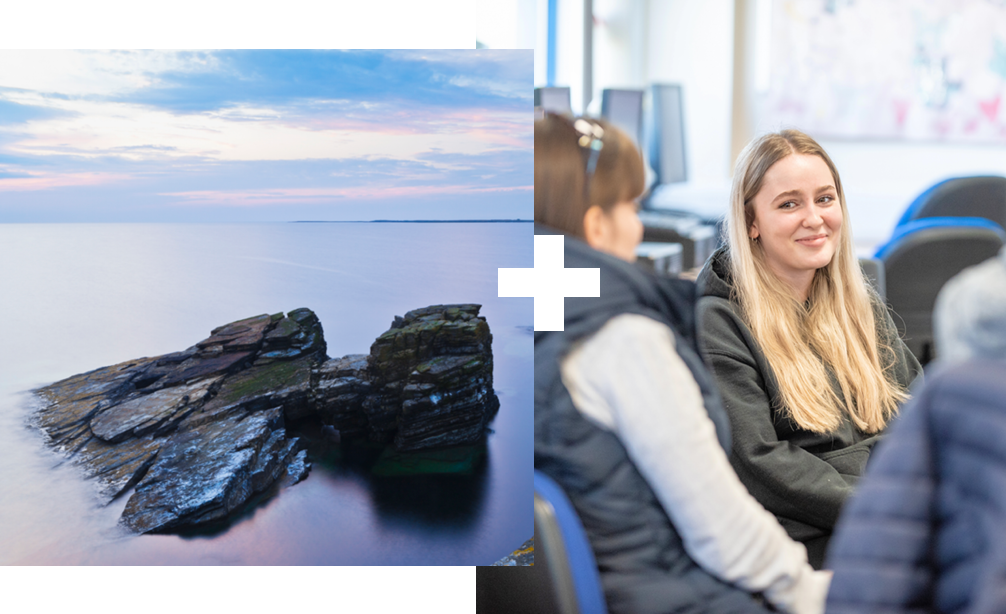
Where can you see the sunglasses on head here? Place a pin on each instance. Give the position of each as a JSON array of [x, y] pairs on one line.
[[590, 137]]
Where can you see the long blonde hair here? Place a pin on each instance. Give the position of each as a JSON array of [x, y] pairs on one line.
[[834, 333]]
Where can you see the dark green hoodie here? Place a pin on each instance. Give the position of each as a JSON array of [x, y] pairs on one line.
[[800, 476]]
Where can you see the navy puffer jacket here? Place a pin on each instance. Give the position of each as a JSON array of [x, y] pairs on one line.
[[926, 530], [641, 558]]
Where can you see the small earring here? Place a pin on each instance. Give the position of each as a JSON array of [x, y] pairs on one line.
[[755, 239]]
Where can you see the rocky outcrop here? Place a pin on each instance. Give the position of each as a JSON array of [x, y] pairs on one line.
[[199, 432], [196, 432], [431, 376], [427, 382]]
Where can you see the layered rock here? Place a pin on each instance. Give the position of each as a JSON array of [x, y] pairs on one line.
[[432, 378], [427, 382], [205, 473], [342, 385], [198, 432]]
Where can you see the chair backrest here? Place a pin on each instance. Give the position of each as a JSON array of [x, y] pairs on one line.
[[561, 547], [983, 196], [920, 258]]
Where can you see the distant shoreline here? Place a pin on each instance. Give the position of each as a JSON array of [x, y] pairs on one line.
[[412, 222]]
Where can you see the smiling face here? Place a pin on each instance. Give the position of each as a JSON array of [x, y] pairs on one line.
[[797, 219]]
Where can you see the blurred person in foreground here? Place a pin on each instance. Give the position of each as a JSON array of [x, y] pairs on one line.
[[627, 419], [927, 530]]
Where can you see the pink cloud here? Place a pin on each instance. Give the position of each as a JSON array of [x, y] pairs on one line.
[[500, 129], [254, 198], [48, 182]]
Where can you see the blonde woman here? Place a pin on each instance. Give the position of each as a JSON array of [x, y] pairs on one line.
[[626, 417], [806, 356]]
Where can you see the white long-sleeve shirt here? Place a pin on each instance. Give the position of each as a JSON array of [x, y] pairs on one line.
[[628, 378]]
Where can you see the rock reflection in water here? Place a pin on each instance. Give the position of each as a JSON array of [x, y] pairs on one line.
[[442, 488], [448, 501]]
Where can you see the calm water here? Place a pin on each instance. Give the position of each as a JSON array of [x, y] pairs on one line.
[[77, 297]]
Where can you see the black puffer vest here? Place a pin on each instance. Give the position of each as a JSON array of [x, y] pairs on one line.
[[643, 564]]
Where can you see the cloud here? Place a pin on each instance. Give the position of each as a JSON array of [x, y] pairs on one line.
[[157, 176], [268, 78], [257, 105], [14, 113], [95, 74], [509, 69], [48, 181], [89, 129], [258, 198]]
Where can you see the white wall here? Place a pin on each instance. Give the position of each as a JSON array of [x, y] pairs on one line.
[[541, 43], [506, 24], [569, 50], [880, 177], [620, 52], [692, 43]]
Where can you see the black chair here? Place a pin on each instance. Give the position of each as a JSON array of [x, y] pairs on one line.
[[920, 258], [983, 196]]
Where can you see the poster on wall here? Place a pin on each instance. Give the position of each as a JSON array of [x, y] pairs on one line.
[[889, 69]]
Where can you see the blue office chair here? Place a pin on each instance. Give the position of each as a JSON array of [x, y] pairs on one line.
[[561, 547], [983, 196], [920, 258]]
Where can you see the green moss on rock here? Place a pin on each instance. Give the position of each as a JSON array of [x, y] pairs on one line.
[[262, 380]]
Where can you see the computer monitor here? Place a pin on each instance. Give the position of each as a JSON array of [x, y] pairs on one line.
[[554, 99], [666, 134], [624, 109]]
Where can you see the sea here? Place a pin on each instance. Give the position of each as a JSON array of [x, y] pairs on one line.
[[75, 297]]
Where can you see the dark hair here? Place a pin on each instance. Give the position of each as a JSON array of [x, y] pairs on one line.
[[560, 164]]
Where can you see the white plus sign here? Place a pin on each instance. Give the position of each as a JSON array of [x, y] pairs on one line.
[[549, 282]]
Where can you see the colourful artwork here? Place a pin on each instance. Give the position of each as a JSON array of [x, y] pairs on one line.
[[888, 69]]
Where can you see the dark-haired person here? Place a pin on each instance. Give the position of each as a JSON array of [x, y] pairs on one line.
[[806, 356], [627, 419]]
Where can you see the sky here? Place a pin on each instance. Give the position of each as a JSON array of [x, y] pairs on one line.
[[265, 135]]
